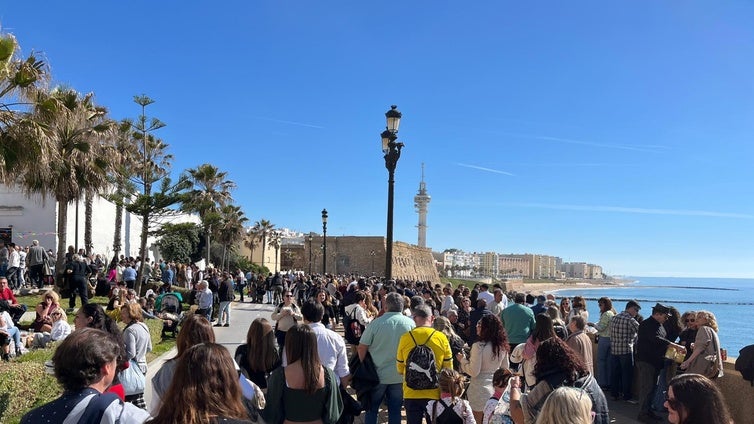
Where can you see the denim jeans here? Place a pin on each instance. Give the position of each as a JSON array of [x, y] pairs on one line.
[[224, 310], [15, 334], [603, 361], [393, 395], [621, 374]]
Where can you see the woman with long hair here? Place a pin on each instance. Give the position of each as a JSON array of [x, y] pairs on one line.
[[323, 298], [557, 365], [706, 347], [578, 307], [607, 312], [527, 352], [138, 342], [488, 354], [205, 389], [258, 357], [695, 399], [688, 332], [43, 320], [566, 405], [565, 307], [304, 391], [457, 344], [195, 329]]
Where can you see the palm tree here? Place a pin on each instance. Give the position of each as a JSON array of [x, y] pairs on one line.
[[75, 125], [211, 192], [275, 238], [263, 229], [126, 155], [23, 141], [231, 229], [251, 242]]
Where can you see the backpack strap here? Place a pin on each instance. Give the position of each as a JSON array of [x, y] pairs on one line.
[[96, 408], [411, 333]]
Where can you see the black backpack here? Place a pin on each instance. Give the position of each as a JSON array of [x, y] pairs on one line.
[[421, 368], [745, 363], [447, 416], [353, 328]]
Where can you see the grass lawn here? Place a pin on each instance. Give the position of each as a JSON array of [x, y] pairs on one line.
[[24, 384]]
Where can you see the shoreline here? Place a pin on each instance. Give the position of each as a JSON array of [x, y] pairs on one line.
[[549, 287]]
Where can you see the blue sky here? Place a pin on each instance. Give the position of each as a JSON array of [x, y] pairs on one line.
[[617, 133]]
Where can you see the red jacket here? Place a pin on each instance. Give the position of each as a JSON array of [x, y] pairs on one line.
[[7, 294]]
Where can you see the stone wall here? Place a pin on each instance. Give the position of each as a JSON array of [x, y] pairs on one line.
[[361, 255]]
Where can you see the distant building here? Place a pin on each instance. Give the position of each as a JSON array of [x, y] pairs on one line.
[[582, 270], [489, 264]]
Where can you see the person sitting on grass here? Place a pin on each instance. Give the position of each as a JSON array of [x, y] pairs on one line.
[[60, 330], [43, 321]]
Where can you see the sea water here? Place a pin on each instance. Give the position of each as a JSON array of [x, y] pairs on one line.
[[730, 299]]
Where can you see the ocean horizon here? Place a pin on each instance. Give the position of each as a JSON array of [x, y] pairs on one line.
[[727, 298]]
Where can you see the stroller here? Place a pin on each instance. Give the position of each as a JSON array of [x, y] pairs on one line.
[[170, 310]]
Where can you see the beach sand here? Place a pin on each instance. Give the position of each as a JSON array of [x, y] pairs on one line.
[[537, 288]]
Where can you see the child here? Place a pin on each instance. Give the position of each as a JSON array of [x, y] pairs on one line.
[[497, 409], [60, 330], [450, 409]]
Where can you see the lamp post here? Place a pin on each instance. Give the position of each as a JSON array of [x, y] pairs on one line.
[[324, 242], [392, 151], [310, 253], [372, 253]]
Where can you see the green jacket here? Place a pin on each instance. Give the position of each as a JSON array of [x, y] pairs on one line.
[[274, 411]]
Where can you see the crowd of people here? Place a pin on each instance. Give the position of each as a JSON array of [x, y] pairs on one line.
[[439, 354]]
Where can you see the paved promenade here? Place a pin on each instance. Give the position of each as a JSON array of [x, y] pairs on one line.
[[243, 314]]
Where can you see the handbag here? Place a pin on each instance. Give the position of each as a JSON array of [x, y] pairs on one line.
[[713, 367], [132, 379], [674, 355]]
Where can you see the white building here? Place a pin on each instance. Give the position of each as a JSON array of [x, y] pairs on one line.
[[25, 219]]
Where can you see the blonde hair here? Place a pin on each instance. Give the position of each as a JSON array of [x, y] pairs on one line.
[[710, 317], [566, 405], [61, 311], [54, 295]]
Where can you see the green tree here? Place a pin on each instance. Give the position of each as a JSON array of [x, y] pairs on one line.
[[210, 192], [178, 241], [121, 179], [275, 239], [263, 228], [76, 127], [231, 229], [251, 241], [151, 170], [23, 141]]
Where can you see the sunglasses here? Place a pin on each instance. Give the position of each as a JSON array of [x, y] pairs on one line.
[[673, 403], [288, 295], [690, 320], [55, 314]]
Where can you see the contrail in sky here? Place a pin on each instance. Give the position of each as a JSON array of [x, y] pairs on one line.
[[281, 121], [639, 148], [496, 171], [643, 211]]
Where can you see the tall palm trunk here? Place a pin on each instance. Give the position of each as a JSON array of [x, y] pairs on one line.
[[88, 245], [62, 239], [209, 246], [142, 251], [118, 227]]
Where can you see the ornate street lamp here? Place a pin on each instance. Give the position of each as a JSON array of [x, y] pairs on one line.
[[392, 151], [324, 242]]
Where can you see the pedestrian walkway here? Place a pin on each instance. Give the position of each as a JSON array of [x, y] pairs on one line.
[[244, 313]]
